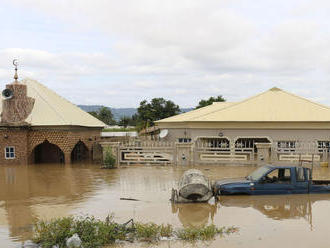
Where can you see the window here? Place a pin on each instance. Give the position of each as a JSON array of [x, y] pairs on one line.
[[282, 176], [220, 143], [10, 152], [300, 174], [286, 146], [184, 140], [323, 146]]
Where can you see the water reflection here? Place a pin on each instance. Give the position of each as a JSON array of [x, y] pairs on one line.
[[194, 215], [278, 207], [26, 188], [29, 193]]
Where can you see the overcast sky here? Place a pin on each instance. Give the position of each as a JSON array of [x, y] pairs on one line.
[[120, 52]]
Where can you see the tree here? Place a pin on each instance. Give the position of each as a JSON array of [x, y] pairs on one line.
[[105, 115], [94, 113], [204, 103], [157, 109], [124, 121]]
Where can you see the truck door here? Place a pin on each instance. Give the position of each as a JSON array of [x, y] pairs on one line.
[[277, 181], [301, 180]]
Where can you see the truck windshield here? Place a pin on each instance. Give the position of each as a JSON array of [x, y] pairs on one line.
[[257, 174]]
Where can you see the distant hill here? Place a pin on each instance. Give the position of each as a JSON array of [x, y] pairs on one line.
[[118, 112]]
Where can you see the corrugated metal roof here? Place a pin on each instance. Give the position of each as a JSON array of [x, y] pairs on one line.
[[50, 109], [274, 105]]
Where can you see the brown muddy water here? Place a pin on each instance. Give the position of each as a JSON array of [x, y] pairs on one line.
[[29, 193]]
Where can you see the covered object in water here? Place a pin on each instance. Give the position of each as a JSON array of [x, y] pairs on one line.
[[192, 187]]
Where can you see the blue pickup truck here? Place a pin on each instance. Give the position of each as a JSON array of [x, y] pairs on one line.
[[271, 180]]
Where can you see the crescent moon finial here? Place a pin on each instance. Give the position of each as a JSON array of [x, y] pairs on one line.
[[15, 64]]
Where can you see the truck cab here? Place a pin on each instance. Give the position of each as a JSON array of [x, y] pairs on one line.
[[269, 180]]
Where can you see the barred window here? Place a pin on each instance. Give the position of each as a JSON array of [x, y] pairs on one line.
[[10, 152], [323, 146], [286, 146], [184, 140]]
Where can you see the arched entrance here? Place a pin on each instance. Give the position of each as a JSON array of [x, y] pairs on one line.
[[47, 153], [80, 153]]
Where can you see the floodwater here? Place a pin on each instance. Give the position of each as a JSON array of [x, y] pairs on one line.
[[29, 193]]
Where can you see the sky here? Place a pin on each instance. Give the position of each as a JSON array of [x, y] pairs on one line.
[[119, 53]]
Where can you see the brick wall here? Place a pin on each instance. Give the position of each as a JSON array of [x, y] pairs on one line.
[[17, 138], [26, 139]]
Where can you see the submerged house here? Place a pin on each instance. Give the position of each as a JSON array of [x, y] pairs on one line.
[[39, 126], [274, 124]]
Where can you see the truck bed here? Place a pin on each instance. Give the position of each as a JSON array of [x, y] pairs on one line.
[[320, 182], [320, 186]]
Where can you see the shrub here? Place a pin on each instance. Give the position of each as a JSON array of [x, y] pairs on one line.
[[149, 231], [92, 232], [203, 233], [97, 233], [109, 160], [166, 230]]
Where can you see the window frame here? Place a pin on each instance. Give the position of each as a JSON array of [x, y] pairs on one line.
[[287, 179], [286, 145], [11, 153], [184, 140]]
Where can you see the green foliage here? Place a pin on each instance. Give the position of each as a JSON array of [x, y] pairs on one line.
[[204, 103], [97, 233], [54, 232], [92, 232], [127, 121], [105, 115], [203, 233], [166, 230], [109, 160], [94, 113], [157, 109], [149, 231]]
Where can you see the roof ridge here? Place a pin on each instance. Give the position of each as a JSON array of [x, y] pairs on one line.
[[41, 96], [194, 110], [54, 93], [258, 95], [305, 99], [235, 103]]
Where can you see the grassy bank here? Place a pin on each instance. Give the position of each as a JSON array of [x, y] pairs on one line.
[[98, 233]]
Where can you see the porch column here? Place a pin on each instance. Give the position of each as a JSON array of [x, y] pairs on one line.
[[184, 153], [263, 151]]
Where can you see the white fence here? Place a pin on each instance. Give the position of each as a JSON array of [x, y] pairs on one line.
[[204, 152]]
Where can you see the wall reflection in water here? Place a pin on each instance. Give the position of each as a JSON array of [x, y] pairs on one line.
[[277, 207], [23, 189]]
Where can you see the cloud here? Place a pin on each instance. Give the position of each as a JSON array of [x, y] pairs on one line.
[[182, 50]]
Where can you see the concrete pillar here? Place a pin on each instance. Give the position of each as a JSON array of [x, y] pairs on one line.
[[184, 153], [67, 158], [263, 151]]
